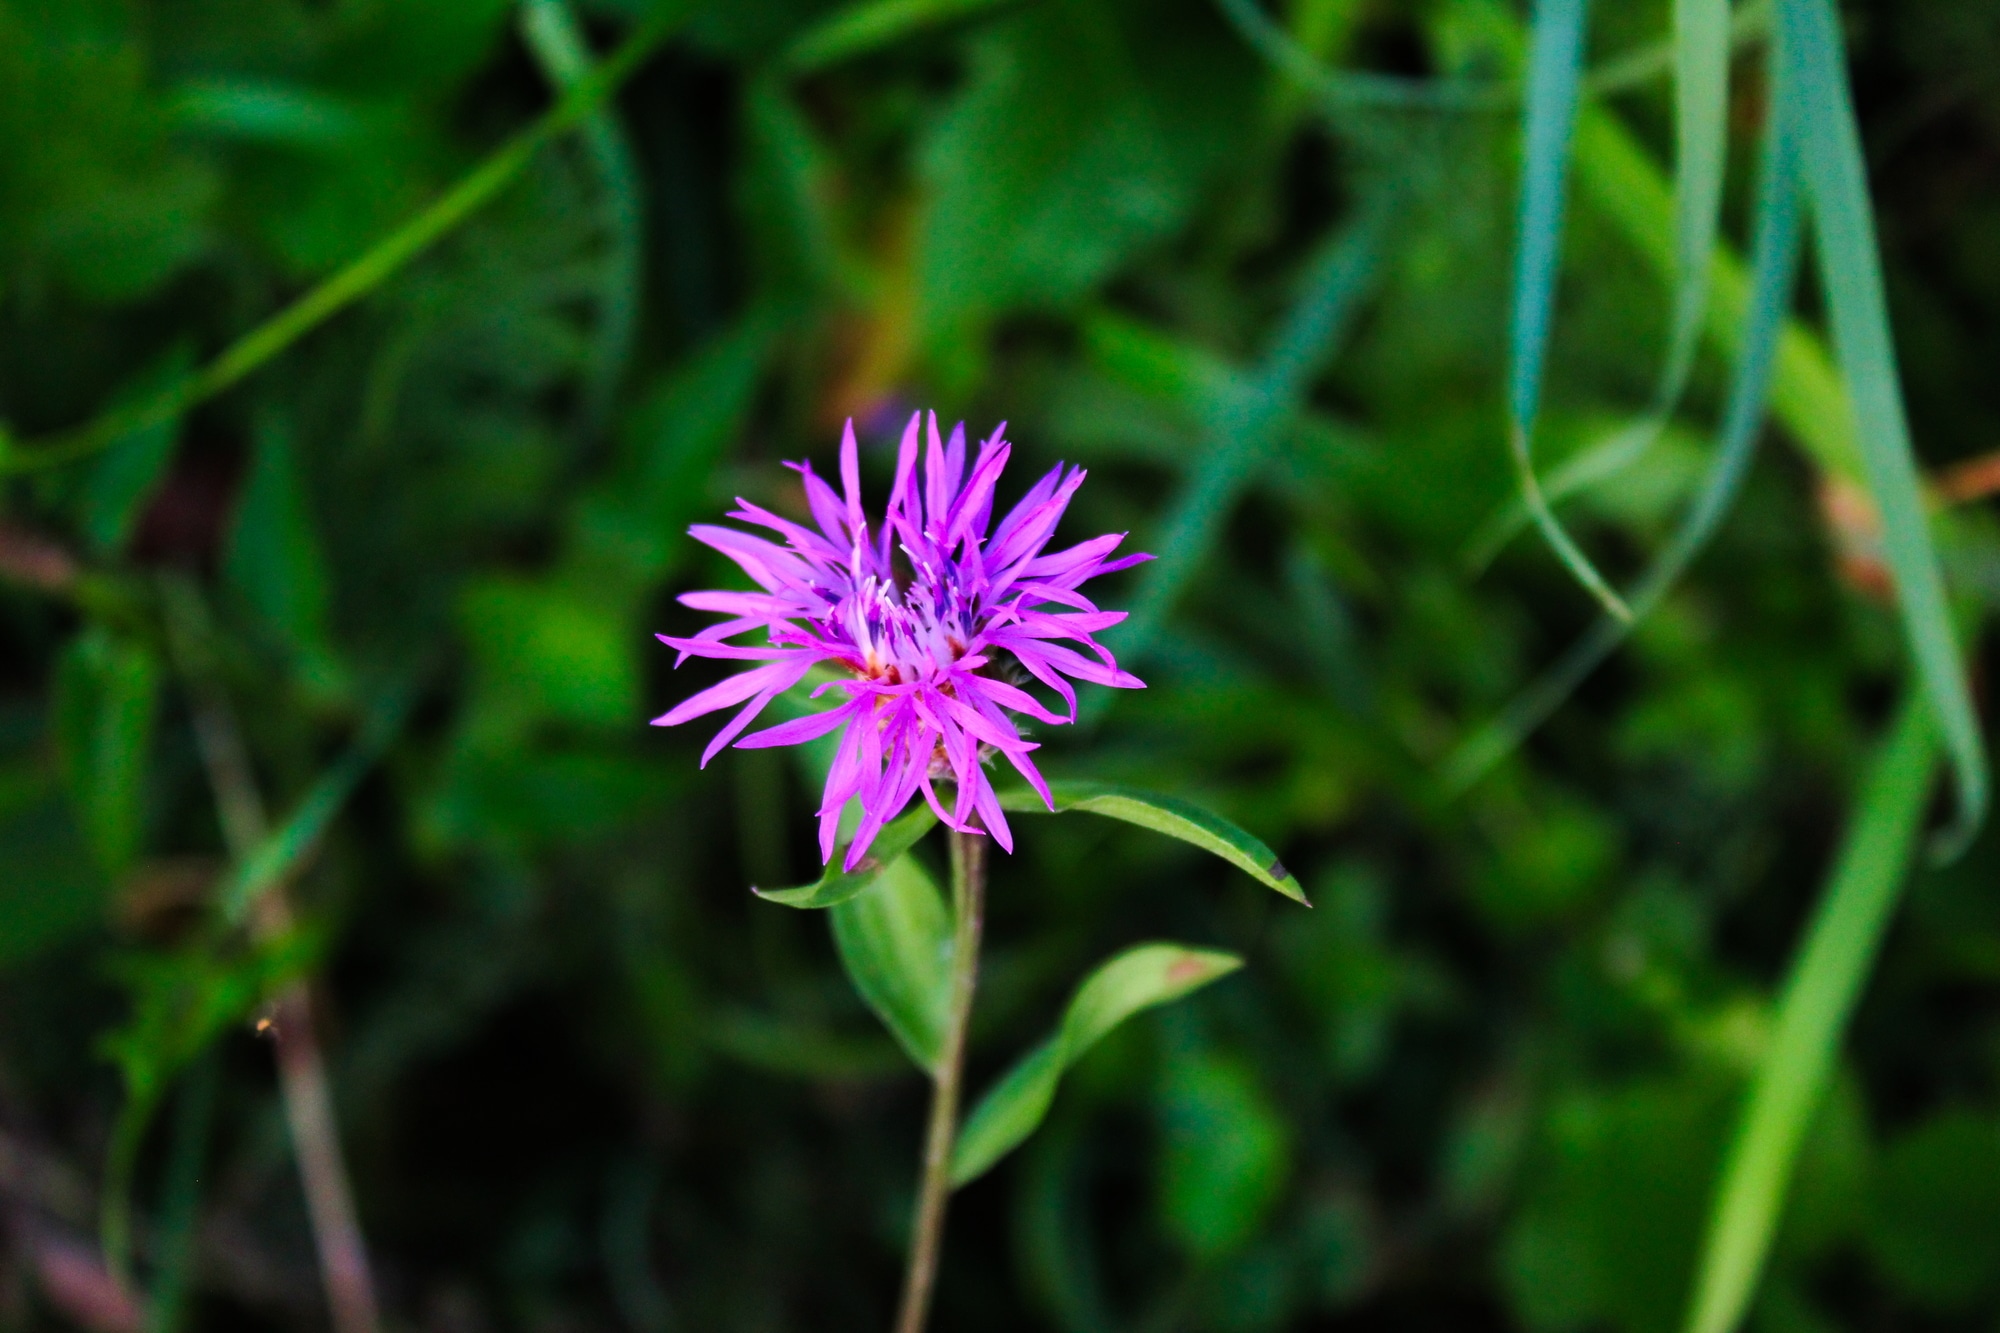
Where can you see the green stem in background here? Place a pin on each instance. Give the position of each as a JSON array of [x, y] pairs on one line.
[[968, 904], [1825, 984], [360, 277], [114, 1221], [180, 1211]]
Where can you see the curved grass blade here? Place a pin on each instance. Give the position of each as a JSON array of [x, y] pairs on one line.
[[1835, 181], [1819, 996], [1701, 47], [837, 886], [1169, 815], [1137, 979], [1555, 67], [895, 941], [1774, 265]]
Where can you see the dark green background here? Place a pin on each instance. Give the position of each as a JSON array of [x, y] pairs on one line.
[[585, 1080]]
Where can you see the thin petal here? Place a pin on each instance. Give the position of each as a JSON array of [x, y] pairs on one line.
[[731, 691]]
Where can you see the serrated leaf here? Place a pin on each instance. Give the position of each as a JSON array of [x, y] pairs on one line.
[[837, 886], [1142, 977], [1169, 815], [894, 939]]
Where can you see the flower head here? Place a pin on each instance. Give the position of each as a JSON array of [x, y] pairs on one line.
[[928, 615]]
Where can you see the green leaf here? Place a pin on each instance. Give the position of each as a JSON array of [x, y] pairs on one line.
[[894, 939], [872, 24], [274, 559], [1137, 979], [1169, 815], [1555, 65], [1700, 51], [107, 696], [1701, 137], [282, 852], [1773, 269], [1226, 1154], [1836, 183], [837, 886], [1819, 996]]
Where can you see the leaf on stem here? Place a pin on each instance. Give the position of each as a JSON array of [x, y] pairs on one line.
[[1140, 978], [837, 886], [895, 941], [1169, 815]]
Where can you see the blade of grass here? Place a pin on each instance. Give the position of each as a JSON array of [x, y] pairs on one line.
[[363, 275], [1700, 61], [1555, 68], [1836, 184], [1774, 266], [1819, 996]]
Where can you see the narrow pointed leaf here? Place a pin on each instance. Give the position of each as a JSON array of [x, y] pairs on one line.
[[837, 886], [1555, 68], [288, 846], [1138, 979], [1836, 184], [1701, 46], [1773, 269], [1819, 997], [894, 940], [1169, 815]]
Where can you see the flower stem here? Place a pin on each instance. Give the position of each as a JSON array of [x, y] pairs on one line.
[[968, 902]]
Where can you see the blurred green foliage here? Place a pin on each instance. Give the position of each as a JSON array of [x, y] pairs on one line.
[[585, 1080]]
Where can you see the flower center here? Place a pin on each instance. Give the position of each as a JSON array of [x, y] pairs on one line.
[[906, 632]]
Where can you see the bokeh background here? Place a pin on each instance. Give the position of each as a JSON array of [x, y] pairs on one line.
[[408, 567]]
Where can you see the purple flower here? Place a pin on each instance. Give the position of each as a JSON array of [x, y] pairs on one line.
[[930, 616]]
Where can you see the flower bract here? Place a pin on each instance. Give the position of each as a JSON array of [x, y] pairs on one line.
[[936, 620]]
